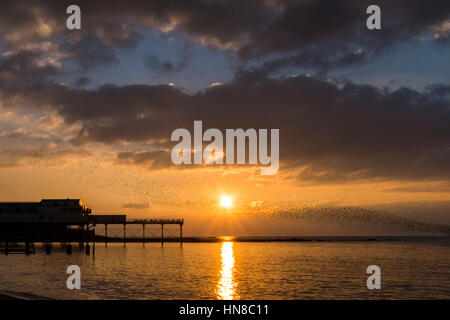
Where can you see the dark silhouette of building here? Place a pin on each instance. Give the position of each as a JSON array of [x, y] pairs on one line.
[[45, 221]]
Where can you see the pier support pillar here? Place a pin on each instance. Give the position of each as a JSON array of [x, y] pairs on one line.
[[124, 234], [87, 236], [162, 233], [181, 233], [106, 234], [48, 247], [81, 237], [27, 248], [93, 243], [143, 234]]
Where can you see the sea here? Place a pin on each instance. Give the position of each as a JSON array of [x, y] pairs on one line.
[[410, 268]]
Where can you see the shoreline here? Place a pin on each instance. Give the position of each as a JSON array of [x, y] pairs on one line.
[[5, 297], [20, 296]]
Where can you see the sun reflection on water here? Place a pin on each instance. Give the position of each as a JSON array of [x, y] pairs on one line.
[[226, 288]]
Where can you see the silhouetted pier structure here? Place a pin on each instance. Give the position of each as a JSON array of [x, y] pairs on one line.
[[68, 221]]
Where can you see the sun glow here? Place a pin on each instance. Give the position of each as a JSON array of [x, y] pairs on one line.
[[226, 201]]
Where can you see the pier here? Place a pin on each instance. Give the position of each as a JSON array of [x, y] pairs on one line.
[[69, 221], [148, 230]]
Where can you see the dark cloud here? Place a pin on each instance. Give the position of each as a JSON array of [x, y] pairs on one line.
[[155, 64], [82, 81], [320, 34], [118, 35], [92, 52], [24, 69], [158, 65], [28, 23], [331, 132]]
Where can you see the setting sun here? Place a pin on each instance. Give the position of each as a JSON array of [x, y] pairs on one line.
[[226, 201]]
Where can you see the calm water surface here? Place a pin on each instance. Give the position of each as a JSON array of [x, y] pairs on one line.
[[239, 270]]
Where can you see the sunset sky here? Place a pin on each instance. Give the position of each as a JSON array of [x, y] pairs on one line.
[[363, 114]]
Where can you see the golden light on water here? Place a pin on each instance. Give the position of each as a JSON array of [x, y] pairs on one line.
[[226, 288]]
